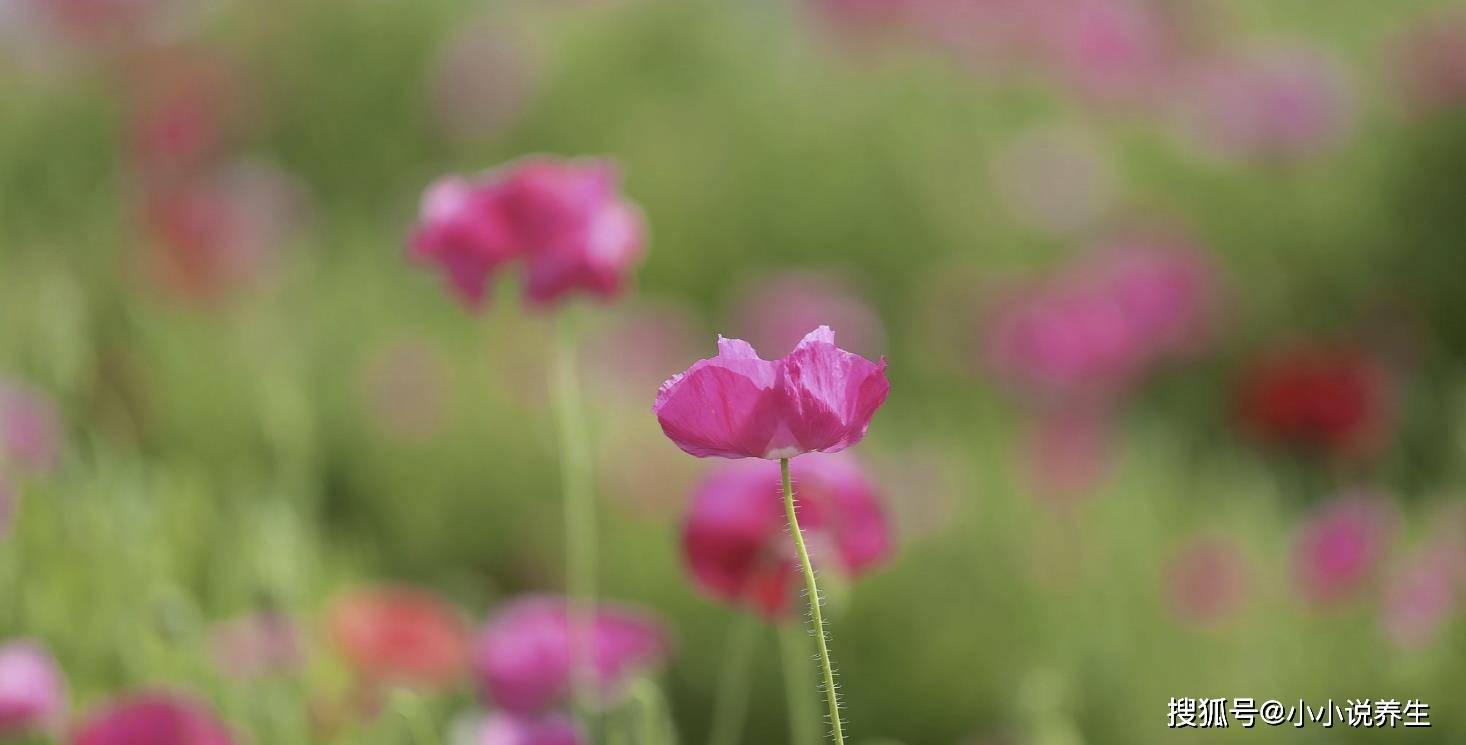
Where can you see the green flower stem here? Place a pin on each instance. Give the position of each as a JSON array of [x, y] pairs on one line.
[[580, 512], [732, 702], [832, 696]]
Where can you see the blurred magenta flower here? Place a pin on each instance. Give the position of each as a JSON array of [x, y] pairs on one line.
[[522, 655], [1278, 104], [1056, 179], [516, 729], [399, 635], [736, 542], [776, 311], [404, 389], [31, 438], [1091, 329], [563, 218], [216, 232], [1431, 61], [263, 643], [1317, 397], [578, 234], [152, 719], [1206, 579], [735, 405], [1338, 549], [32, 690], [462, 227]]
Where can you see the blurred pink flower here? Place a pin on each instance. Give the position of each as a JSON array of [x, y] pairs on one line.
[[32, 690], [152, 719], [481, 81], [1431, 61], [216, 232], [1095, 326], [1280, 104], [399, 635], [462, 227], [1112, 51], [255, 645], [522, 656], [1420, 597], [736, 542], [578, 234], [31, 438], [1070, 452], [564, 218], [403, 390], [735, 405], [1056, 179], [776, 311], [514, 729], [1338, 549], [184, 105], [1206, 579], [97, 21]]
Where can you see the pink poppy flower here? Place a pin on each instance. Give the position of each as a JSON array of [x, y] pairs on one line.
[[1206, 579], [577, 233], [736, 541], [462, 227], [32, 692], [736, 405], [777, 311], [399, 635], [260, 644], [1337, 550], [1094, 327], [30, 430], [523, 655], [1431, 61], [1280, 104], [563, 218], [514, 729], [153, 719]]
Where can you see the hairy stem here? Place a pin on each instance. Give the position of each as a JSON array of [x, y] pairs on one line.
[[832, 697]]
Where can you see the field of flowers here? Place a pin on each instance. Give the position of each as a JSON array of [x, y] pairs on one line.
[[382, 372]]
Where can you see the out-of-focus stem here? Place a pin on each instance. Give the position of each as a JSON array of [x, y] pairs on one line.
[[580, 514], [732, 702]]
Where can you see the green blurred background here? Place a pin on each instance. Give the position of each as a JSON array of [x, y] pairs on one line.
[[338, 420]]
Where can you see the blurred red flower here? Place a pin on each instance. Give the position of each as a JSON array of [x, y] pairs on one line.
[[153, 719], [399, 635], [1328, 399]]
